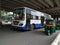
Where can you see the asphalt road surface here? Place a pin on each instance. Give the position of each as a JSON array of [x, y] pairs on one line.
[[35, 37]]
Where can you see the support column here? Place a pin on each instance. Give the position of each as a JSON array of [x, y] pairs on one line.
[[54, 21], [57, 18]]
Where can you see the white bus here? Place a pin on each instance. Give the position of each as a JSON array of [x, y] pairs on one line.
[[26, 18], [6, 18]]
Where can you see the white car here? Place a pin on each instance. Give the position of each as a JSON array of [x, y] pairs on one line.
[[6, 22]]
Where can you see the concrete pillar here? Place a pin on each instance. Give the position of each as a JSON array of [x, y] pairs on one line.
[[57, 18], [0, 14], [54, 20]]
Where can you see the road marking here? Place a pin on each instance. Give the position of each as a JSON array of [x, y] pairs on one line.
[[56, 41]]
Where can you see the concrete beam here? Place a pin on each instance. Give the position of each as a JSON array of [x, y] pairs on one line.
[[53, 12], [9, 3], [25, 4], [31, 4], [57, 2], [6, 9], [43, 3], [55, 8], [0, 4], [37, 4], [49, 2]]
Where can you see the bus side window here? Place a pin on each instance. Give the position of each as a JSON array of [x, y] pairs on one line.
[[34, 17], [29, 16], [37, 17]]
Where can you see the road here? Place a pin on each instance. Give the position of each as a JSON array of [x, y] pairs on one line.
[[35, 37]]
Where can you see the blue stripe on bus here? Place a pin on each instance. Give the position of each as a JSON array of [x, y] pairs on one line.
[[36, 26], [25, 28]]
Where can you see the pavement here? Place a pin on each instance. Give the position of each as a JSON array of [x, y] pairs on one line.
[[35, 37]]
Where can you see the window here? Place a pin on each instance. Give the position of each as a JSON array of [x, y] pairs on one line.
[[37, 17], [19, 14]]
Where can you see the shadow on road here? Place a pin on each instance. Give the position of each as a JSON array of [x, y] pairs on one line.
[[40, 32]]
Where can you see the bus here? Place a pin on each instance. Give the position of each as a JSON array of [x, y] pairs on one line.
[[27, 19], [6, 18]]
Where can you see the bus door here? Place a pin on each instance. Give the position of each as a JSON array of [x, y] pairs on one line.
[[28, 21], [42, 21]]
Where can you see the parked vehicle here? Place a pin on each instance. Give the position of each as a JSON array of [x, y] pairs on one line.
[[58, 24], [28, 19], [50, 26]]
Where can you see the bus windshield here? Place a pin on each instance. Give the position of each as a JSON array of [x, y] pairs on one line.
[[19, 14]]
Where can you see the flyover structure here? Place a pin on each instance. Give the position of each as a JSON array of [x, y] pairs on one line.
[[48, 6]]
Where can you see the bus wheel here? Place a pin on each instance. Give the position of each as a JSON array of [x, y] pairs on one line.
[[32, 27]]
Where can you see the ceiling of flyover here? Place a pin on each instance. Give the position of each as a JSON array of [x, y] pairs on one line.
[[49, 6]]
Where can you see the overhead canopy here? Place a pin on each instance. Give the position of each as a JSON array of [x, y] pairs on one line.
[[49, 6]]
